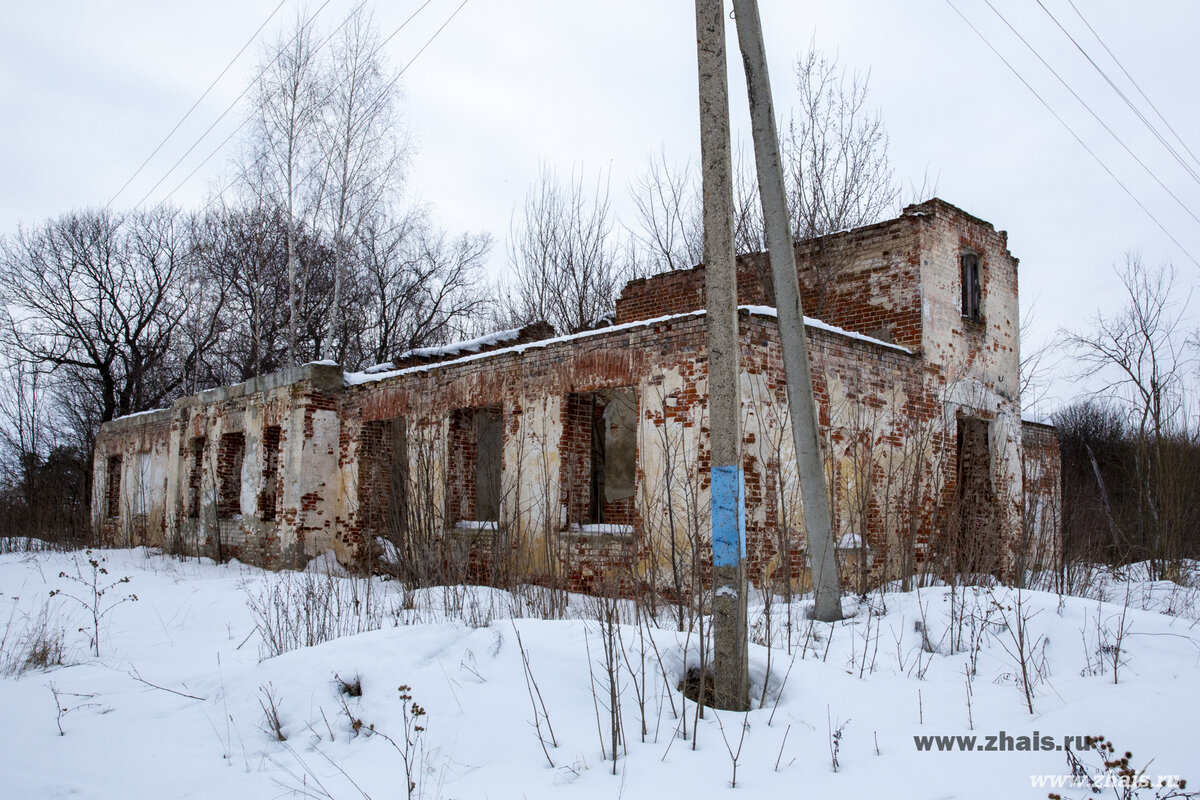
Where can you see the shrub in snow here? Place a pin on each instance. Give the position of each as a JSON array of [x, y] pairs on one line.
[[96, 584]]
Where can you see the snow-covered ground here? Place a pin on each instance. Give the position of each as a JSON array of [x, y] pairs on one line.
[[173, 706]]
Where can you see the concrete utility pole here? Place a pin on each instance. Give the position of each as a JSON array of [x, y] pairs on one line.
[[802, 407], [731, 683]]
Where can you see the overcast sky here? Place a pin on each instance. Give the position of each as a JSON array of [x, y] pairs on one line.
[[89, 89]]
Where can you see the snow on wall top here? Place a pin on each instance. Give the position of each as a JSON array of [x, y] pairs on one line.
[[462, 348], [383, 371], [140, 413], [816, 324]]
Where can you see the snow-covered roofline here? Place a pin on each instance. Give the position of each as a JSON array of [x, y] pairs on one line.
[[382, 371], [142, 413], [469, 346]]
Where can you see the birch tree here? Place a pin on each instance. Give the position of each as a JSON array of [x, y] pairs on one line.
[[281, 158], [365, 151]]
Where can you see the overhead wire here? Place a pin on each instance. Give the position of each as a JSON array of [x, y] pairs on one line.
[[230, 107], [1136, 85], [199, 100], [1137, 112], [382, 94], [1074, 135], [1095, 116], [246, 120]]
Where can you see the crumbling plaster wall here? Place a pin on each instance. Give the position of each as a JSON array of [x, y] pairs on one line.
[[870, 394], [529, 387], [975, 365], [301, 402], [888, 416], [141, 445], [898, 281], [884, 451]]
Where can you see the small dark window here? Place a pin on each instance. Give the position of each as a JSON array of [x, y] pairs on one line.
[[487, 473], [972, 305], [114, 487], [195, 477], [229, 474], [270, 473], [476, 442], [598, 452]]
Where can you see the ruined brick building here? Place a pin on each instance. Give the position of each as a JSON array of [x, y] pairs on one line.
[[583, 458]]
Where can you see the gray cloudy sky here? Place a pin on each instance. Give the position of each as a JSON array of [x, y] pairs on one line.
[[89, 89]]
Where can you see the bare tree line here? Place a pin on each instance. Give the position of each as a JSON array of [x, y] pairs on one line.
[[569, 254], [313, 249], [1130, 453]]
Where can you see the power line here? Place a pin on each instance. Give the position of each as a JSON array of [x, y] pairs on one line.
[[1137, 112], [382, 94], [429, 42], [171, 133], [231, 106], [1071, 131], [329, 94], [1125, 72], [1095, 116]]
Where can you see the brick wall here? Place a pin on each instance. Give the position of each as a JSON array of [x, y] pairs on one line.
[[575, 454], [195, 476], [113, 491], [230, 456], [1041, 471], [887, 421], [462, 461], [269, 492], [866, 280]]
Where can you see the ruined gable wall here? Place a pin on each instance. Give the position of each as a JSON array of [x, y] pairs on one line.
[[975, 365], [136, 449], [681, 291], [866, 280]]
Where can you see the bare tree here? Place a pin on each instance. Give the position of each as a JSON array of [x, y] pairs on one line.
[[281, 154], [101, 298], [1035, 364], [562, 254], [836, 176], [836, 151], [421, 285], [364, 146], [1140, 351], [24, 427], [667, 228], [245, 249], [836, 170]]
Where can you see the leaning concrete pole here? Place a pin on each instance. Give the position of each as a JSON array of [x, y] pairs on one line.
[[802, 407], [730, 673]]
